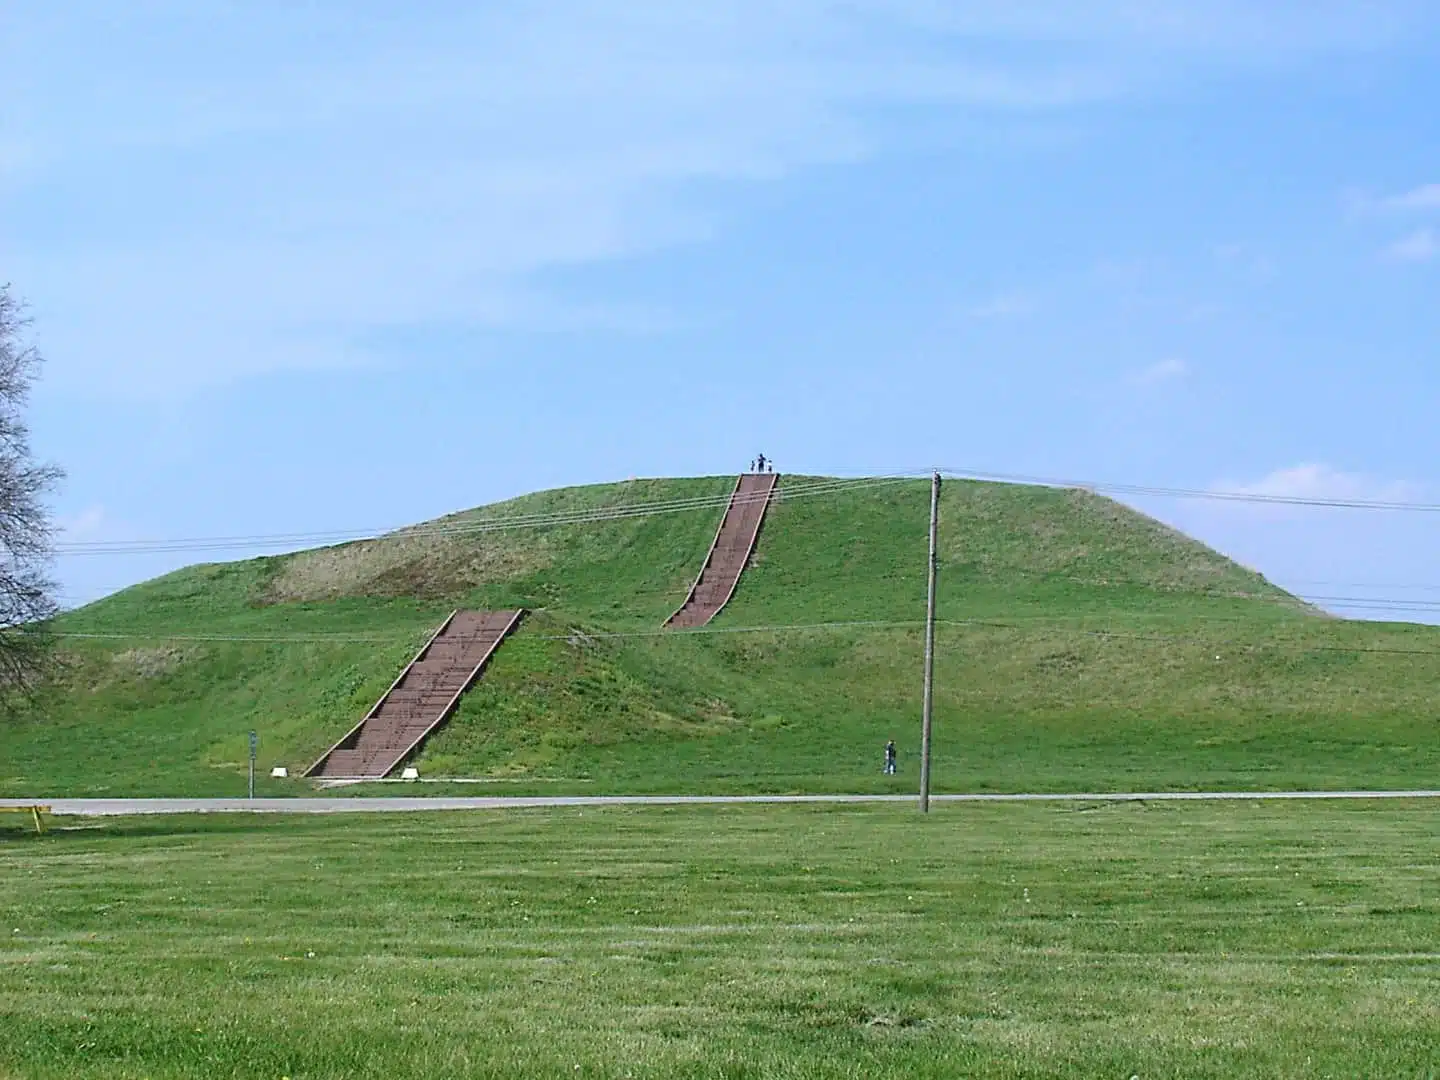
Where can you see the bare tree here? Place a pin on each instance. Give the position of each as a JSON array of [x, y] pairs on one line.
[[27, 594]]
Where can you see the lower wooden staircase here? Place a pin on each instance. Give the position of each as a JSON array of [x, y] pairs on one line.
[[421, 699]]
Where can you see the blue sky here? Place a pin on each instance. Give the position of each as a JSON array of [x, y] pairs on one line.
[[348, 266]]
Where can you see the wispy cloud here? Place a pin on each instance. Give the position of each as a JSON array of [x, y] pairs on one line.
[[1276, 30], [1244, 261], [1313, 480], [1012, 305], [84, 525], [1319, 481], [1361, 204], [1420, 246], [1425, 197], [284, 201], [1168, 370]]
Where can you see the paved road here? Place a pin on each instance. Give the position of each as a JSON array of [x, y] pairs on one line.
[[122, 807]]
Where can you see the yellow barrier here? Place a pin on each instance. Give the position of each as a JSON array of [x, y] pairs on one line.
[[34, 811]]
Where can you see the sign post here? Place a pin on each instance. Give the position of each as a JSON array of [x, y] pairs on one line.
[[254, 745]]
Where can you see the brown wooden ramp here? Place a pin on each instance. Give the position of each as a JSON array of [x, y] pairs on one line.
[[733, 546], [422, 698]]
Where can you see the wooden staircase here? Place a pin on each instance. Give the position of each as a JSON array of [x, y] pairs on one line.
[[422, 698], [733, 545]]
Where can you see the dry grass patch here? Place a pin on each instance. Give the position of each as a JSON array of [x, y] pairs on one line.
[[407, 565], [149, 663]]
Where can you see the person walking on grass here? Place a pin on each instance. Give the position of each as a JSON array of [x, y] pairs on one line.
[[890, 758]]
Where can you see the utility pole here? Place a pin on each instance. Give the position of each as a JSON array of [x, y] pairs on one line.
[[929, 648]]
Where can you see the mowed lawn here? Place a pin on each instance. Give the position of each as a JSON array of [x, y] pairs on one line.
[[1201, 940]]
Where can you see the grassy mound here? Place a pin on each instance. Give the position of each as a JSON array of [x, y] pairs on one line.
[[1082, 646]]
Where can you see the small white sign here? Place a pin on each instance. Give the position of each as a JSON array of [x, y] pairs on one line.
[[280, 772], [410, 773]]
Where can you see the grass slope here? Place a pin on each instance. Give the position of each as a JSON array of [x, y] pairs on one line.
[[1084, 647], [1203, 941]]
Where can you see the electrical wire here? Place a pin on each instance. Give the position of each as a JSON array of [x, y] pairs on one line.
[[444, 528], [786, 628], [1397, 606], [1414, 586], [802, 489], [1155, 491], [450, 524], [1290, 600], [910, 568]]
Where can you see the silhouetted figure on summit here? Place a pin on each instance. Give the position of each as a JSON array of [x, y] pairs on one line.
[[760, 463]]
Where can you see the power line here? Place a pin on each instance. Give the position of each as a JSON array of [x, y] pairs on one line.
[[349, 536], [1124, 635], [247, 639], [1251, 646], [1050, 620], [1006, 623], [788, 491], [1044, 577], [1194, 493], [553, 519], [1280, 598], [1385, 601], [1413, 586], [1398, 605]]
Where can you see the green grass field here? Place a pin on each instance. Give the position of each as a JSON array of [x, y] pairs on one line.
[[1197, 940], [1084, 647]]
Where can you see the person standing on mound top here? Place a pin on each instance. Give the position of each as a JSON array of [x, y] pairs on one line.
[[760, 463], [890, 758]]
